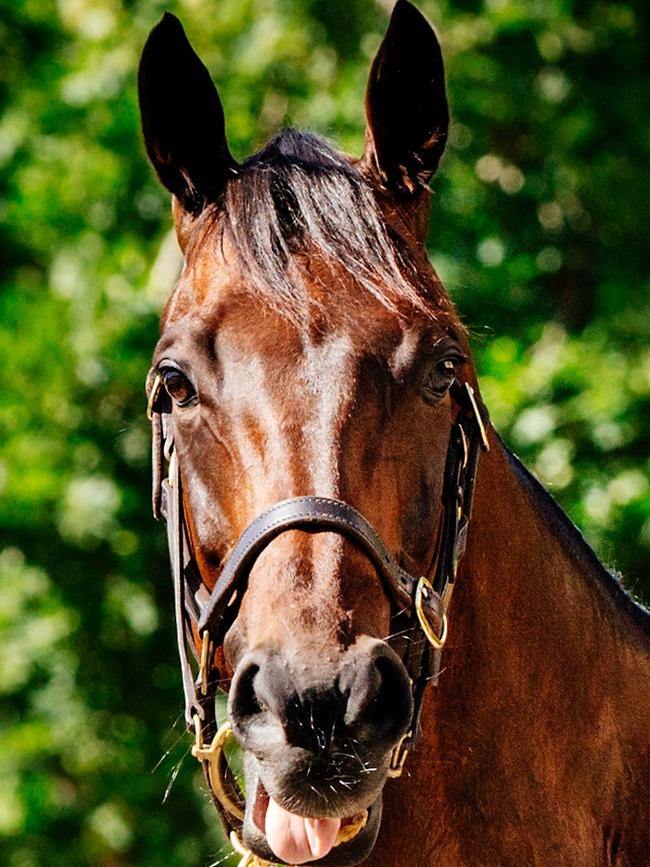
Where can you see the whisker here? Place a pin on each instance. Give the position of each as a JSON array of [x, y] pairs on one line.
[[406, 631], [364, 767], [227, 852], [167, 752], [174, 775]]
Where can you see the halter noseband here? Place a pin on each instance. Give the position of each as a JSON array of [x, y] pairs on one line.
[[209, 614]]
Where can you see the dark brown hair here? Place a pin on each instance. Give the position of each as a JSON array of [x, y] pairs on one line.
[[298, 195]]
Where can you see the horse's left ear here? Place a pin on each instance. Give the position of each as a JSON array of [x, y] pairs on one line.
[[182, 120], [406, 104]]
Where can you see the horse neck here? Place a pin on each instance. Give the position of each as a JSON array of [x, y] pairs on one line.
[[540, 706], [534, 601]]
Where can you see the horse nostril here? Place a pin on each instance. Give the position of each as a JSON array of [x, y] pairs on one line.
[[370, 701], [393, 705], [258, 690], [244, 702], [380, 701]]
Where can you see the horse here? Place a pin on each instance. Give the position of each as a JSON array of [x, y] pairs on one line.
[[329, 474]]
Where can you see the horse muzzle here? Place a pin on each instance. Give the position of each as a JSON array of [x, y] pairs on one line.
[[317, 751]]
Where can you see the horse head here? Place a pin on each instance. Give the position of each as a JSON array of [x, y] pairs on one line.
[[307, 386]]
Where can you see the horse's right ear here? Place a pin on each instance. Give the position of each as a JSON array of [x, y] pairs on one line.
[[182, 119], [406, 105]]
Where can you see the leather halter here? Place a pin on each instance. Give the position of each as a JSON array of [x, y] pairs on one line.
[[208, 614]]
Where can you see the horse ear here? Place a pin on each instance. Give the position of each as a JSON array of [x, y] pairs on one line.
[[406, 104], [182, 118]]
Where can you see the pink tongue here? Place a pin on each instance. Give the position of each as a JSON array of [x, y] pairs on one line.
[[295, 839]]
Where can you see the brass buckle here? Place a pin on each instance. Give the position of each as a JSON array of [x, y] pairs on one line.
[[422, 592], [398, 757], [214, 756], [477, 416]]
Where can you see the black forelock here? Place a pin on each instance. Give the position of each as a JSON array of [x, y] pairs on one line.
[[299, 196]]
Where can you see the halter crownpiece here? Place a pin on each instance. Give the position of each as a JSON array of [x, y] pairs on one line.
[[209, 614]]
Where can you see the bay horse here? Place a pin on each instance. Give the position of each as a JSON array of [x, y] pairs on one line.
[[328, 475]]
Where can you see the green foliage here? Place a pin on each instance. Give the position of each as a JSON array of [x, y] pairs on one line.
[[539, 231]]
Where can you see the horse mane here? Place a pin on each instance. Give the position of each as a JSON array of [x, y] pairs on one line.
[[577, 547], [300, 197]]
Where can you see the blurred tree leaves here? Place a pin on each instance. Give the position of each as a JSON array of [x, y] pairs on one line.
[[539, 230]]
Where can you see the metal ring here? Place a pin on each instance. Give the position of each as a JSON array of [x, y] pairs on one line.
[[215, 758], [423, 590]]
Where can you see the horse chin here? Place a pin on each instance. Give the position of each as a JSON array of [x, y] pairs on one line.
[[362, 821]]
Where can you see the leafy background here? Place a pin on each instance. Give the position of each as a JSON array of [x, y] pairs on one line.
[[539, 231]]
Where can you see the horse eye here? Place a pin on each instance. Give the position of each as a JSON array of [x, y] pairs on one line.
[[439, 378], [178, 386]]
